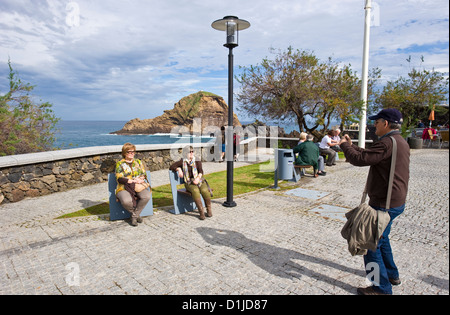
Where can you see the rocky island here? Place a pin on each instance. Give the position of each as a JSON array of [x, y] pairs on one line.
[[210, 108]]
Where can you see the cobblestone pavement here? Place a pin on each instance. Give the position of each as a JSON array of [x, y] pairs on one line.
[[271, 243]]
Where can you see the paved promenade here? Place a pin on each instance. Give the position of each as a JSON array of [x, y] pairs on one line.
[[273, 242]]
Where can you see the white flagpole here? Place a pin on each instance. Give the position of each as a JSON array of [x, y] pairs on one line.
[[365, 74]]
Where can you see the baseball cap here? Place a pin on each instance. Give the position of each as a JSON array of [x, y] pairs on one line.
[[389, 114]]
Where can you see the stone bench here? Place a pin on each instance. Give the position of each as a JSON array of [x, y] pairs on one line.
[[182, 199], [116, 211]]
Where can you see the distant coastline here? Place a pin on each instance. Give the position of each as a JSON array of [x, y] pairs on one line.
[[86, 133]]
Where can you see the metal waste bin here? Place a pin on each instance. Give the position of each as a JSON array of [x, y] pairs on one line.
[[415, 143], [285, 164]]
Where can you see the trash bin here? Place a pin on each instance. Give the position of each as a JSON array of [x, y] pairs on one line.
[[285, 164], [415, 143]]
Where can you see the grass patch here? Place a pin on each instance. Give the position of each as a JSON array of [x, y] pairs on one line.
[[99, 209], [246, 179]]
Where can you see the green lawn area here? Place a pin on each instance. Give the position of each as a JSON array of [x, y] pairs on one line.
[[246, 179]]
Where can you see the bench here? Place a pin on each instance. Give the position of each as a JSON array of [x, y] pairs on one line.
[[324, 155], [116, 211], [182, 199], [297, 175]]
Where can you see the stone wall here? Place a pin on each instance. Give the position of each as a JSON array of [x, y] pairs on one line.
[[38, 174]]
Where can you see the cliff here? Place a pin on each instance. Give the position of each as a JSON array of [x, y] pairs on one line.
[[210, 108]]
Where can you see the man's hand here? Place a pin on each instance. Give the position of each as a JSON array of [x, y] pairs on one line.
[[346, 138]]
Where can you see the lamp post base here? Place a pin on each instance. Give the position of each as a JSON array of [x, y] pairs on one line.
[[229, 204]]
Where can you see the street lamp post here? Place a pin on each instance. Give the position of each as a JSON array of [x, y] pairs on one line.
[[231, 25]]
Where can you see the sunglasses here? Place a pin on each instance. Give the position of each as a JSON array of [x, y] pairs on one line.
[[131, 152]]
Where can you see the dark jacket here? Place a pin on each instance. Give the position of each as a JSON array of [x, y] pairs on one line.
[[378, 157], [308, 154]]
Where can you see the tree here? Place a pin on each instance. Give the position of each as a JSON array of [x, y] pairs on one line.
[[414, 96], [341, 94], [25, 126], [297, 85]]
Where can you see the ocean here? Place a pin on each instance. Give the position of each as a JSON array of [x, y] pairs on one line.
[[78, 134]]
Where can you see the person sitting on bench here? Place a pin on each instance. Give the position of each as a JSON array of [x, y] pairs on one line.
[[129, 172], [192, 172], [308, 154], [325, 149]]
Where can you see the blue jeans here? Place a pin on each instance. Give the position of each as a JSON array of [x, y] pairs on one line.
[[321, 164], [380, 265]]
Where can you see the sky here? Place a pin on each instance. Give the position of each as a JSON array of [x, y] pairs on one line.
[[120, 60]]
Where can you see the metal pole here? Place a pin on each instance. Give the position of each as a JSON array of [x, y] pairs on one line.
[[365, 71], [229, 142]]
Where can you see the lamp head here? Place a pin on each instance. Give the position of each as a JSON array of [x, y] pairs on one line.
[[231, 25]]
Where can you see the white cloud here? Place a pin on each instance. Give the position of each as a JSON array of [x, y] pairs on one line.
[[120, 60]]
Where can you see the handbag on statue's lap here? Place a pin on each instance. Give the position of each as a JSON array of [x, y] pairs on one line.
[[140, 187]]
